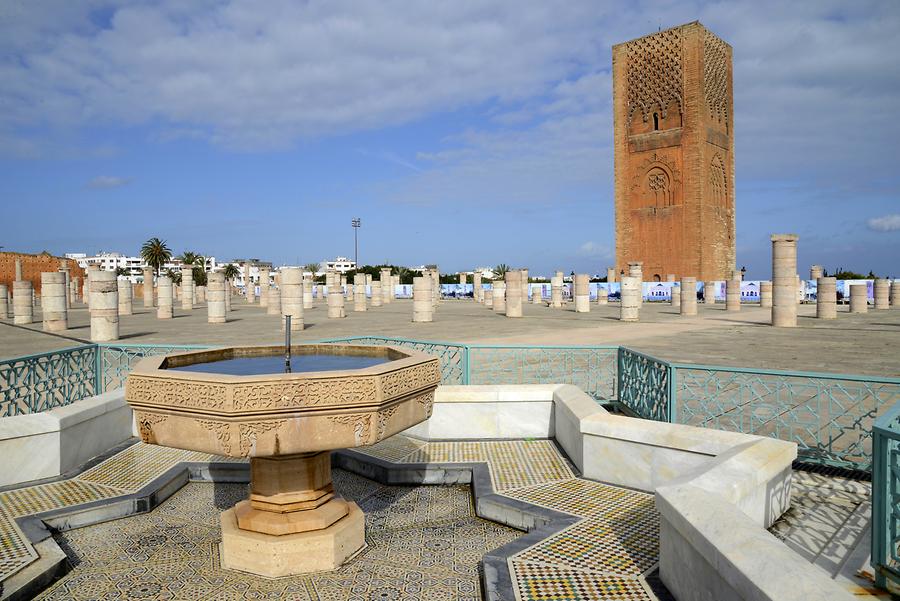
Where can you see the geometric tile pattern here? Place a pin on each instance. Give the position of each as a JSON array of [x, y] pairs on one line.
[[542, 582], [172, 552], [15, 551], [512, 463], [584, 498], [138, 465], [36, 499]]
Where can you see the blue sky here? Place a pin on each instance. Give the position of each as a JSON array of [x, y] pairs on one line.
[[463, 133]]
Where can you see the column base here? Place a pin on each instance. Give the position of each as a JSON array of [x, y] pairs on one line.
[[291, 554]]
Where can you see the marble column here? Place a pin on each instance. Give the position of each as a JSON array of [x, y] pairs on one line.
[[187, 288], [387, 294], [4, 302], [423, 306], [859, 298], [629, 309], [556, 291], [688, 296], [164, 297], [148, 287], [292, 297], [882, 290], [104, 306], [498, 296], [765, 295], [377, 297], [513, 293], [610, 275], [602, 295], [53, 301], [895, 293], [264, 285], [308, 292], [815, 272], [733, 295], [126, 297], [676, 295], [215, 302], [23, 302], [826, 298], [273, 307], [336, 301], [359, 292], [581, 291], [784, 280], [477, 291]]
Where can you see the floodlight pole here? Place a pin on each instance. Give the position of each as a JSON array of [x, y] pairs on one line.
[[356, 223]]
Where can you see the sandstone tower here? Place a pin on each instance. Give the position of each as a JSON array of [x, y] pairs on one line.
[[674, 154]]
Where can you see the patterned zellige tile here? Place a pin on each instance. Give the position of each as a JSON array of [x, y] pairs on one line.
[[138, 465], [449, 452], [44, 497], [15, 550], [583, 498], [540, 582], [395, 449], [519, 463]]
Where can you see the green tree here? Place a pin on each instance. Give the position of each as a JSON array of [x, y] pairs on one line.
[[500, 271], [121, 271], [231, 271], [312, 268], [173, 275], [406, 275], [155, 253]]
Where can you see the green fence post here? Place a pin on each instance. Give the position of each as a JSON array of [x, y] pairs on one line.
[[880, 518], [671, 404], [98, 369], [467, 358], [620, 359]]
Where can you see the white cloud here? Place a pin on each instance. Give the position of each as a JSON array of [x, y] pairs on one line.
[[594, 250], [885, 223], [108, 181]]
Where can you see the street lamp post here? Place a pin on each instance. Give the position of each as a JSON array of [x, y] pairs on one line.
[[356, 223]]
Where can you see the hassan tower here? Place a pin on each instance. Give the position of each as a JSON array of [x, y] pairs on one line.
[[674, 154]]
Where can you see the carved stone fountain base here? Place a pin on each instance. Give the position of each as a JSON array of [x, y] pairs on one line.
[[294, 522]]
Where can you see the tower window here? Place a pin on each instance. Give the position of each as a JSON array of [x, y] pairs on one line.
[[655, 121]]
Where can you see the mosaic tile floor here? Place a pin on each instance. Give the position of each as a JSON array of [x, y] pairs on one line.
[[423, 543]]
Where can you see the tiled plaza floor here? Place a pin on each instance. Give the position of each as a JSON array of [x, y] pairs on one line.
[[423, 542]]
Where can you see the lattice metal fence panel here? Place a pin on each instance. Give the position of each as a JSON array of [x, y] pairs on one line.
[[593, 369], [453, 356], [886, 500], [830, 417], [116, 360], [645, 385], [36, 383]]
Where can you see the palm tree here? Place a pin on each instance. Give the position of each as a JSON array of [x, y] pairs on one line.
[[155, 253], [175, 276], [312, 268], [231, 271], [500, 270], [121, 271], [406, 276]]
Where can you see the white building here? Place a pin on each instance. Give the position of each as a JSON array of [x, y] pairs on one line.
[[133, 266], [342, 264]]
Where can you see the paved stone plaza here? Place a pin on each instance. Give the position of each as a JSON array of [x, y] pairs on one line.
[[853, 344]]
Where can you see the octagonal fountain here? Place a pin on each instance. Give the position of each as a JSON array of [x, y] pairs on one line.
[[242, 402]]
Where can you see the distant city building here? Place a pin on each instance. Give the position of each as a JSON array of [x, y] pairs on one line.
[[255, 266], [133, 266], [342, 264]]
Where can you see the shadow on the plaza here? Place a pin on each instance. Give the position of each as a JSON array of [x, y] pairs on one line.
[[135, 335]]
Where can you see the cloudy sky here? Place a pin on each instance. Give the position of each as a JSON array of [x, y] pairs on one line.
[[462, 133]]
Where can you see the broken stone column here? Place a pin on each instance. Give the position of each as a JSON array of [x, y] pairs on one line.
[[784, 280], [556, 291], [292, 297], [164, 308], [489, 297], [307, 292], [91, 269], [882, 291], [76, 286], [815, 272], [581, 291], [264, 285], [375, 289], [688, 296], [23, 305], [187, 288], [387, 293], [320, 293], [525, 286], [859, 298], [395, 283], [53, 301], [799, 289], [513, 294], [477, 292], [126, 297], [676, 295], [671, 277], [273, 306], [148, 287], [709, 292], [18, 270], [359, 292], [537, 295], [215, 303], [765, 295], [733, 295], [462, 279], [422, 299], [610, 275], [336, 301], [4, 302], [250, 288], [630, 307], [602, 296], [895, 294], [104, 306], [63, 269], [826, 298], [228, 293], [498, 297]]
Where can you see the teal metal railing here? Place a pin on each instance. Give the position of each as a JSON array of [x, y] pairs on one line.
[[829, 416], [886, 499]]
